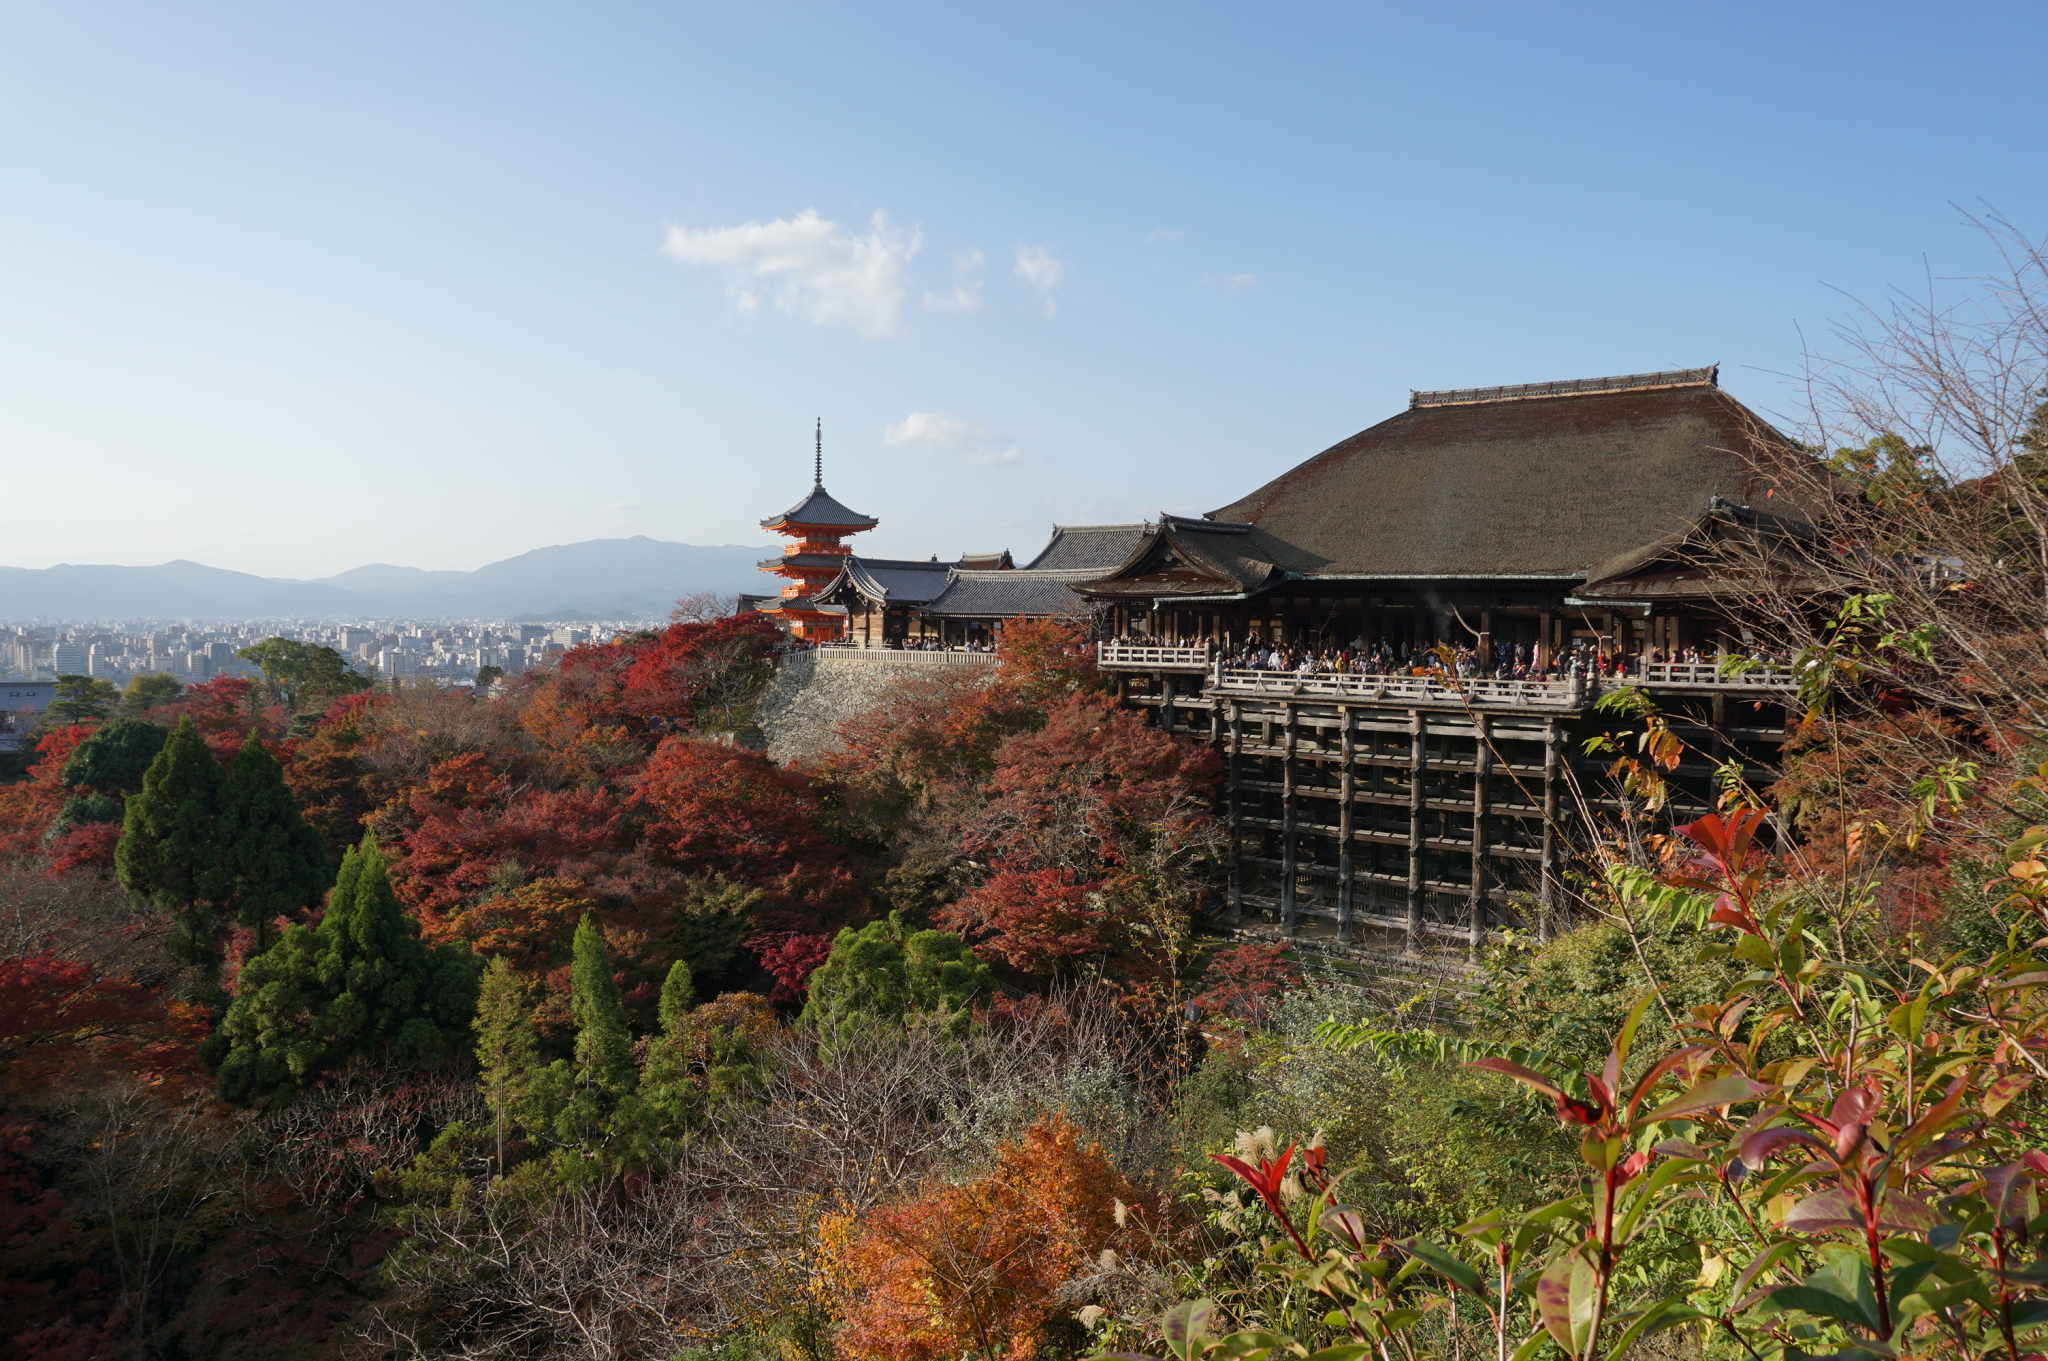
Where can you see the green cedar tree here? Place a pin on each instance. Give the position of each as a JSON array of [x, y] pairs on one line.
[[678, 995], [507, 1051], [361, 984], [604, 1046], [167, 857], [116, 757], [273, 863]]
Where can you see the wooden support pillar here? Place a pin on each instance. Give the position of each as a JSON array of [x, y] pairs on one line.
[[1344, 831], [1552, 773], [1230, 805], [1482, 767], [1415, 754], [1544, 628], [1287, 825]]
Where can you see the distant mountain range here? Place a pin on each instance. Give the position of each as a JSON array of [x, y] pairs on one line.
[[599, 579]]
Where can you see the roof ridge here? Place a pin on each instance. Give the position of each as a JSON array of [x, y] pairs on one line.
[[1571, 387]]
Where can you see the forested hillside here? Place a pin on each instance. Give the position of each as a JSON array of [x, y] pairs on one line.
[[561, 1023]]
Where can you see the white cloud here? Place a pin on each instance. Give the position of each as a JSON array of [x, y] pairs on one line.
[[1040, 271], [936, 432], [966, 294], [810, 265], [1163, 236], [1232, 282]]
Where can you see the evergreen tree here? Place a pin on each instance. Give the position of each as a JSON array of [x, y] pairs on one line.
[[886, 973], [272, 862], [507, 1054], [167, 857], [589, 1103], [359, 985], [115, 758], [604, 1046], [678, 995]]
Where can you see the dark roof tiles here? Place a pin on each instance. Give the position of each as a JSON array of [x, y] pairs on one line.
[[1099, 548], [1006, 595], [821, 510]]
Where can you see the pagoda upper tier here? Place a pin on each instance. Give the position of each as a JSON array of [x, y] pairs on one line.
[[815, 527]]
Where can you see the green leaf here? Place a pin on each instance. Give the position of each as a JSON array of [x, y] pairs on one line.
[[1655, 1319], [1251, 1345], [1444, 1264], [1566, 1293], [1184, 1325], [1706, 1096], [1809, 1299]]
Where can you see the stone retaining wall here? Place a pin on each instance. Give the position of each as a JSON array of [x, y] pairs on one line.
[[814, 691]]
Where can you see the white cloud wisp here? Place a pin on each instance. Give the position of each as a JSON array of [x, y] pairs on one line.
[[966, 294], [1039, 270], [936, 432], [839, 278]]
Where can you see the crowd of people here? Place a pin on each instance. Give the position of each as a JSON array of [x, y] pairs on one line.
[[1501, 661]]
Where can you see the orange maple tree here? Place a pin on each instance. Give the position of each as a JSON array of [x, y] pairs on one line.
[[975, 1269]]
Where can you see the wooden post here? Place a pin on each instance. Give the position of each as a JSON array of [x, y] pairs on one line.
[[1548, 865], [1344, 832], [1230, 804], [1287, 825], [1415, 749], [1482, 768]]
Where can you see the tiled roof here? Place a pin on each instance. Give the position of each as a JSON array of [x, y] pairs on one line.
[[820, 509], [889, 581], [1006, 595], [1099, 547]]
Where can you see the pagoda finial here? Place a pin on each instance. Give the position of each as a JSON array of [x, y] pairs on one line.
[[818, 466]]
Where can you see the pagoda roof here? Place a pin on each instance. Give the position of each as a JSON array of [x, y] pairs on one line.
[[821, 510]]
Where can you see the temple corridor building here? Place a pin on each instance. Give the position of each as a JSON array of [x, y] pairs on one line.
[[1397, 645]]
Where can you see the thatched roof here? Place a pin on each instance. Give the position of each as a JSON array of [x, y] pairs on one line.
[[1539, 481]]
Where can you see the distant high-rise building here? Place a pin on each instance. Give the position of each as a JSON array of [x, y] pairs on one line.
[[70, 659]]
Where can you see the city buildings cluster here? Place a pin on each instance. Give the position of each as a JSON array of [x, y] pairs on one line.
[[450, 652]]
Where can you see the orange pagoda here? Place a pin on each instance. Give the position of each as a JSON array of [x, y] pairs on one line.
[[814, 527]]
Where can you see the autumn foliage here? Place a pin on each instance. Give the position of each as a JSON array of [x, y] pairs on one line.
[[975, 1268]]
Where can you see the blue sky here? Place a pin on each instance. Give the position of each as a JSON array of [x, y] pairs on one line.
[[288, 288]]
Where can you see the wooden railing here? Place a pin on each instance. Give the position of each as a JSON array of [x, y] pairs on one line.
[[837, 653], [1709, 674], [1130, 657], [1557, 694], [1706, 675]]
